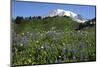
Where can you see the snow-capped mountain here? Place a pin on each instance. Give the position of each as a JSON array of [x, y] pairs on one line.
[[61, 12]]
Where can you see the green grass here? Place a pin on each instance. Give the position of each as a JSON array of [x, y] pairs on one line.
[[56, 41]]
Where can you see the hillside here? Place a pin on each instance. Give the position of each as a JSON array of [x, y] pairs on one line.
[[57, 39], [46, 24]]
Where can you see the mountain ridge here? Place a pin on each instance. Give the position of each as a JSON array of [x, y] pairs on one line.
[[61, 12]]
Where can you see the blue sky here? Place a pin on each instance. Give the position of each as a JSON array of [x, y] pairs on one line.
[[37, 9]]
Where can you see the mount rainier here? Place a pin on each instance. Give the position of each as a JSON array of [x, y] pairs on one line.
[[61, 12]]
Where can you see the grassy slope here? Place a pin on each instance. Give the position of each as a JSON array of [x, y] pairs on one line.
[[61, 24], [71, 46]]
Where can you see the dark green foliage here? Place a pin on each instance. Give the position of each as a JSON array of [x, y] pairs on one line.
[[18, 20], [89, 23]]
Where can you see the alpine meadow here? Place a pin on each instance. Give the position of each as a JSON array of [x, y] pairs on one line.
[[59, 35]]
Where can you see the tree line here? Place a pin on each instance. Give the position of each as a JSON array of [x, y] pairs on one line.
[[21, 19]]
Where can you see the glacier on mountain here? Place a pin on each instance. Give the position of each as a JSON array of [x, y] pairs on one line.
[[61, 12]]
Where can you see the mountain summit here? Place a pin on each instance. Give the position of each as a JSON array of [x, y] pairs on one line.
[[61, 12]]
